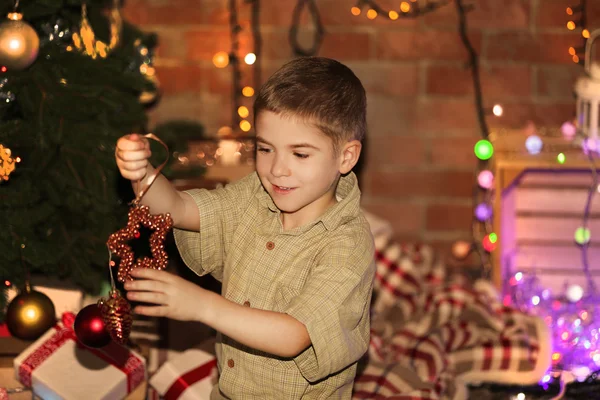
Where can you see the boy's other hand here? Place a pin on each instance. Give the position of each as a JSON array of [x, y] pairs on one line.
[[168, 295], [132, 154]]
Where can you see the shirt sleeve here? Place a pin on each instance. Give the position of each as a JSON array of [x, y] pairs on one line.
[[204, 251], [334, 306]]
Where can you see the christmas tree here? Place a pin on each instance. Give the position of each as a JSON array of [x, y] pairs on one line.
[[61, 113]]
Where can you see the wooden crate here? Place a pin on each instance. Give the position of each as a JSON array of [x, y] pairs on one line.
[[539, 203], [541, 212]]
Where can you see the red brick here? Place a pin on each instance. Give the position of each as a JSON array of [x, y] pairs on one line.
[[393, 79], [505, 14], [395, 151], [552, 14], [453, 151], [180, 79], [420, 183], [558, 81], [203, 43], [518, 115], [220, 80], [170, 43], [389, 116], [444, 115], [497, 82], [448, 217], [276, 45], [528, 47], [346, 45], [412, 45], [405, 218], [144, 12]]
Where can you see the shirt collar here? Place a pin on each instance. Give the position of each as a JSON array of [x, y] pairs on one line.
[[346, 209]]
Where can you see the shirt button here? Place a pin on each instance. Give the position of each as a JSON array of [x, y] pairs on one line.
[[247, 303], [230, 363], [270, 245]]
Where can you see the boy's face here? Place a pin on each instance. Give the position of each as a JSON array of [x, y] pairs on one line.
[[297, 167]]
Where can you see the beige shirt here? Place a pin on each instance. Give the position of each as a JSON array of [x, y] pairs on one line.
[[320, 273]]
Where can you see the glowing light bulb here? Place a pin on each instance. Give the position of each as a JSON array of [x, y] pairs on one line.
[[585, 33], [248, 91], [574, 293], [221, 59], [497, 110], [561, 158], [245, 125], [535, 300], [569, 11], [371, 14], [568, 130], [484, 149], [405, 7], [572, 51], [243, 111], [582, 235], [250, 58], [483, 212], [534, 144], [485, 179], [355, 11], [575, 59], [393, 15], [571, 25]]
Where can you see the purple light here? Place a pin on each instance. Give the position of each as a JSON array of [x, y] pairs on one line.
[[483, 212], [573, 324]]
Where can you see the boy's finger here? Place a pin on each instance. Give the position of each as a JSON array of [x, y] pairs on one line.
[[152, 274], [146, 285], [151, 311], [137, 155]]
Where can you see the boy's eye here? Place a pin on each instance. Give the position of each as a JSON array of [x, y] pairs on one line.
[[301, 155], [263, 149]]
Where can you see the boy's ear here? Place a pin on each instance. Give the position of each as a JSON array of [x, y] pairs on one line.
[[350, 155]]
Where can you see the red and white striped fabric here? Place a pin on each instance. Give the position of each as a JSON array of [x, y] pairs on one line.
[[430, 338]]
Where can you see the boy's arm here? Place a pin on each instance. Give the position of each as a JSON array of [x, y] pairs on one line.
[[162, 197], [269, 331]]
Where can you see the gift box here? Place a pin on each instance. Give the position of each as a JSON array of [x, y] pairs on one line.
[[189, 376], [58, 366]]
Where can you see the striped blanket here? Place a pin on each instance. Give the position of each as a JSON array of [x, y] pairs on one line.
[[432, 335]]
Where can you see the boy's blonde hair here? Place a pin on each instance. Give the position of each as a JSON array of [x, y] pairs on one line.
[[321, 91]]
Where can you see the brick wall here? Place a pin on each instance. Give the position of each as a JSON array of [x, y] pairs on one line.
[[419, 167]]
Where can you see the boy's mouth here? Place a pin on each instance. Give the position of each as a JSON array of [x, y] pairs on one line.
[[282, 189]]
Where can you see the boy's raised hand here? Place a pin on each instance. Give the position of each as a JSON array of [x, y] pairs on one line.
[[167, 295], [132, 154]]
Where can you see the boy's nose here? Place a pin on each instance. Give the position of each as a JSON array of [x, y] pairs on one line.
[[279, 167]]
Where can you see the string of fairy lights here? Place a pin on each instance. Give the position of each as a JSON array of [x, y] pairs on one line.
[[407, 9], [578, 20], [571, 315]]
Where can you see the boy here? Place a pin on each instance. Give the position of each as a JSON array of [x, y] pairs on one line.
[[288, 242]]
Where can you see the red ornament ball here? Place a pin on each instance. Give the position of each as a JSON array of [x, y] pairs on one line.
[[89, 327]]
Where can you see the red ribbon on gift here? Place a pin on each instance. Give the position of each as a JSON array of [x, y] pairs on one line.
[[113, 354], [188, 379]]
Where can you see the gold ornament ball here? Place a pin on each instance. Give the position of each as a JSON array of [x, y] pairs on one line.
[[19, 43], [30, 314]]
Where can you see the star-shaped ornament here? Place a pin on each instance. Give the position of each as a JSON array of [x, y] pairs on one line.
[[139, 215]]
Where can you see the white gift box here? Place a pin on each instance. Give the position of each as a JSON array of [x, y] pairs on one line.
[[57, 366], [189, 376]]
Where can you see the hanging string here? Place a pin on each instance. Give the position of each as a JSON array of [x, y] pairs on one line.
[[318, 34]]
